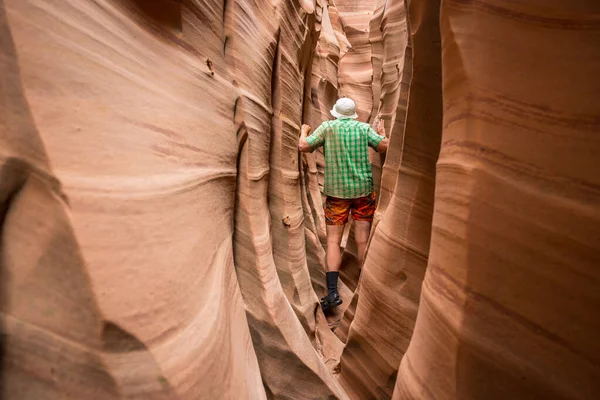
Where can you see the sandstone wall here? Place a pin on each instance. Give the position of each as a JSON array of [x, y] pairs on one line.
[[163, 239], [269, 242], [509, 306], [388, 294], [123, 122], [377, 29]]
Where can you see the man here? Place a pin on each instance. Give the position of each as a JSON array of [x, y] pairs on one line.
[[348, 183]]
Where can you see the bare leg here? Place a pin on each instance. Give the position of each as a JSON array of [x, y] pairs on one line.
[[334, 253], [361, 234]]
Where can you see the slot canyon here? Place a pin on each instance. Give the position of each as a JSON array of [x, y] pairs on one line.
[[163, 239]]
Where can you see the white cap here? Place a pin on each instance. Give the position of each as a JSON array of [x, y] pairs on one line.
[[344, 108]]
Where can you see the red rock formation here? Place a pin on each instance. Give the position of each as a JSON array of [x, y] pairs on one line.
[[49, 326], [473, 338], [269, 239], [390, 283], [509, 307], [355, 72], [163, 239], [359, 79], [390, 68], [118, 216]]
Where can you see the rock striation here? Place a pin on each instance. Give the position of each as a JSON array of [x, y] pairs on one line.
[[509, 304], [163, 239]]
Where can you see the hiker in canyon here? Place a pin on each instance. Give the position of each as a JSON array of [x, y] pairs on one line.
[[348, 182]]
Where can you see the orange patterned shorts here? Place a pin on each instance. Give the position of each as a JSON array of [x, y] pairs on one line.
[[338, 210]]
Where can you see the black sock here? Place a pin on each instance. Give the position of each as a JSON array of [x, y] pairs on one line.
[[332, 280]]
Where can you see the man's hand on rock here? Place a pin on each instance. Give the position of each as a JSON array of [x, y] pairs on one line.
[[305, 130], [303, 145], [381, 127]]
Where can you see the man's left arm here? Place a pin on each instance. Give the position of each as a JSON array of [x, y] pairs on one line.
[[378, 141]]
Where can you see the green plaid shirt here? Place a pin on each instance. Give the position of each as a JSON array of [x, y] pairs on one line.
[[348, 173]]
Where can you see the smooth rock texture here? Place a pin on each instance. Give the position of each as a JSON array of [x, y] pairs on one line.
[[163, 239], [269, 228], [510, 303], [388, 294], [50, 326], [117, 224]]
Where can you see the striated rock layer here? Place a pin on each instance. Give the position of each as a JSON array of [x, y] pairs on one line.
[[163, 239], [117, 258], [160, 132], [269, 239], [509, 306], [388, 294]]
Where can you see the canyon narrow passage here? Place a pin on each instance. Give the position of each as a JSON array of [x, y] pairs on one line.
[[163, 238]]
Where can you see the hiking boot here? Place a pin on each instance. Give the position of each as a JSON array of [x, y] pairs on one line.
[[328, 302]]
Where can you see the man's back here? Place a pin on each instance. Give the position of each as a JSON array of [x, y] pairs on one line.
[[348, 183], [348, 171]]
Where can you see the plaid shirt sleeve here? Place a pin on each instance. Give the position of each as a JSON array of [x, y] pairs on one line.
[[317, 139], [373, 137]]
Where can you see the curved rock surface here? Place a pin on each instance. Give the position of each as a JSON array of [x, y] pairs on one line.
[[117, 224], [388, 294], [163, 239], [509, 306]]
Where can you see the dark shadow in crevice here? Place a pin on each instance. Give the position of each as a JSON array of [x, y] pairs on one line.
[[117, 340], [275, 98], [12, 177], [165, 14]]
